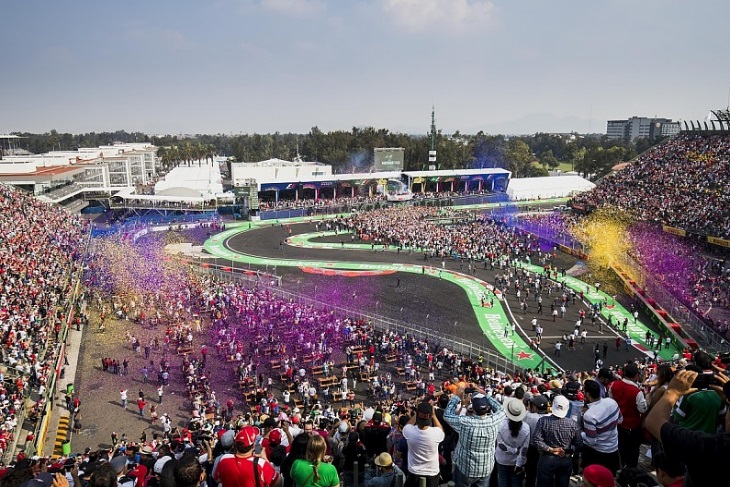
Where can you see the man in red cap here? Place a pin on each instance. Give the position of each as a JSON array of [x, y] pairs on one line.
[[242, 468], [597, 476]]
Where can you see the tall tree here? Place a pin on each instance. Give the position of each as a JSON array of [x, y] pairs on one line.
[[519, 158]]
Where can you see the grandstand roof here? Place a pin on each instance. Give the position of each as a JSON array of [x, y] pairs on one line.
[[42, 174], [547, 187]]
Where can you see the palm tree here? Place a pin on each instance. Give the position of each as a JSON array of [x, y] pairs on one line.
[[210, 152], [186, 152]]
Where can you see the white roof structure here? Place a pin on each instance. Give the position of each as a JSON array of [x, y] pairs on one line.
[[547, 187], [191, 181]]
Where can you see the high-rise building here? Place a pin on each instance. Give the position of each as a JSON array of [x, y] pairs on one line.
[[637, 127]]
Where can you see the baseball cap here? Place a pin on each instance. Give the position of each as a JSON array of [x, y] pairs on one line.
[[275, 437], [571, 389], [560, 406], [599, 476], [118, 463], [540, 402], [227, 438], [515, 410], [157, 468], [247, 436], [423, 414], [378, 416], [479, 404]]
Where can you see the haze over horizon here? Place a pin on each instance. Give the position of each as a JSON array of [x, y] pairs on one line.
[[258, 66]]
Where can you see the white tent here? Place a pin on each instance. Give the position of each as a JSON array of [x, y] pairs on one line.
[[547, 187], [203, 180]]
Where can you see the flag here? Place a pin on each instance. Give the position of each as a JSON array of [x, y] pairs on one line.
[[708, 117]]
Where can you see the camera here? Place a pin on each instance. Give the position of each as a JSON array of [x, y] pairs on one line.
[[704, 381]]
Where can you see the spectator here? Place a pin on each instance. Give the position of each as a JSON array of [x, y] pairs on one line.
[[669, 472], [314, 470], [375, 435], [705, 455], [539, 406], [355, 457], [597, 476], [700, 410], [239, 469], [474, 453], [558, 439], [630, 398], [298, 451], [423, 434], [600, 433], [188, 472], [387, 472], [513, 439]]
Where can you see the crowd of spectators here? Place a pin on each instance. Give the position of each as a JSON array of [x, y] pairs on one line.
[[357, 201], [696, 276], [522, 429], [299, 367], [681, 183], [422, 229], [340, 201], [39, 246]]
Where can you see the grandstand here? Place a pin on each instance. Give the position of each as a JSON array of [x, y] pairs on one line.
[[682, 185]]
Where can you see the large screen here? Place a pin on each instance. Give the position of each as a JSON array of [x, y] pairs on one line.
[[389, 159]]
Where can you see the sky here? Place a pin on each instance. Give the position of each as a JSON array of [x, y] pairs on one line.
[[264, 66]]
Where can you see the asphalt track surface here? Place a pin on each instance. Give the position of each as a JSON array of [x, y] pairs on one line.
[[416, 299]]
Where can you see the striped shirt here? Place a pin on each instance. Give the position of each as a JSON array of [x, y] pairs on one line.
[[599, 425], [474, 454]]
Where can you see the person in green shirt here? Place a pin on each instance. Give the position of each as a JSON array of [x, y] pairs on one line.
[[313, 471], [700, 410]]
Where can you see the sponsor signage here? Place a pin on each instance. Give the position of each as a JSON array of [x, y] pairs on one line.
[[719, 241], [674, 230]]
